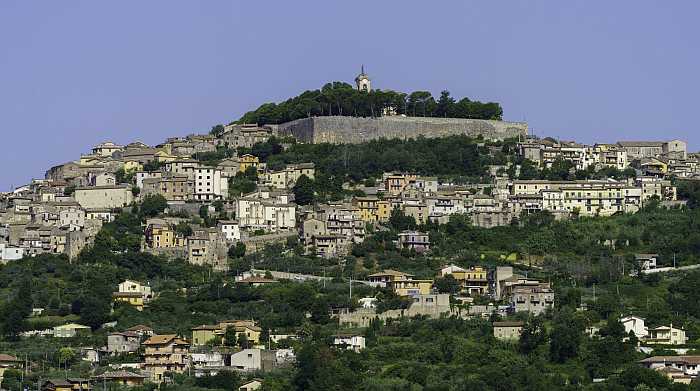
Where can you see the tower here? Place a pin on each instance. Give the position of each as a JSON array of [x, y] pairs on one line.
[[362, 81]]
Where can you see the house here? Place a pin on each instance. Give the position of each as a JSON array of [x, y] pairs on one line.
[[687, 364], [121, 377], [251, 385], [352, 342], [209, 184], [70, 330], [532, 298], [141, 330], [248, 161], [646, 261], [165, 353], [635, 325], [104, 197], [133, 293], [411, 287], [70, 384], [123, 342], [256, 281], [384, 278], [230, 229], [414, 240], [666, 335], [204, 361], [507, 331], [207, 246], [474, 281], [249, 360], [9, 361], [205, 333]]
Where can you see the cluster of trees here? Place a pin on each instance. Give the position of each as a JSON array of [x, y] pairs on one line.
[[339, 98]]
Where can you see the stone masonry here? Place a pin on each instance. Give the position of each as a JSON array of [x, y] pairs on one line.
[[353, 130]]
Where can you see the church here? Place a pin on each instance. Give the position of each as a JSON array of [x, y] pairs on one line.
[[363, 82]]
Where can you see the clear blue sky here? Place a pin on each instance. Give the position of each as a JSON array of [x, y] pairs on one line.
[[74, 73]]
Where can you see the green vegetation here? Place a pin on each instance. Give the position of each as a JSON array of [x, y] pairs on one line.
[[338, 98]]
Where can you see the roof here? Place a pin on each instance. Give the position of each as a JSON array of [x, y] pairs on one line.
[[508, 324], [205, 327], [6, 357], [120, 375], [640, 143], [164, 339], [255, 280], [672, 359], [139, 327], [71, 326], [389, 272], [59, 382]]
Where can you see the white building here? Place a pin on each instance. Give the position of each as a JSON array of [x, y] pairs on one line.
[[10, 253], [349, 341], [209, 184], [230, 229], [634, 324]]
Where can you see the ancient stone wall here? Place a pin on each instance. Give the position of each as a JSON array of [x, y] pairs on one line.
[[353, 130]]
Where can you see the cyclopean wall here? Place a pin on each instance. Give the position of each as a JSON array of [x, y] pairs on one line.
[[353, 130]]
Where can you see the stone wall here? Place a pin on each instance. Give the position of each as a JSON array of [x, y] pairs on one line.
[[353, 130]]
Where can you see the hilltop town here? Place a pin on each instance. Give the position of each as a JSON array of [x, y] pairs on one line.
[[291, 255]]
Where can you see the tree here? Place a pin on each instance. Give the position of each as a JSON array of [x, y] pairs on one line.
[[183, 229], [533, 335], [230, 337], [304, 190], [447, 284], [243, 341], [94, 311], [153, 205], [565, 337], [237, 250], [400, 222]]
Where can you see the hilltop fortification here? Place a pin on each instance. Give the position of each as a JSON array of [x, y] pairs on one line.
[[353, 130]]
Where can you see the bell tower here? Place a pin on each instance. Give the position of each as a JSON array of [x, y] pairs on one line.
[[362, 81]]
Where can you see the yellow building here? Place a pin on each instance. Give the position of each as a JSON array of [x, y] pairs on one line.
[[165, 156], [472, 280], [163, 235], [368, 208], [384, 210], [133, 298], [411, 287], [205, 333], [246, 161], [132, 166]]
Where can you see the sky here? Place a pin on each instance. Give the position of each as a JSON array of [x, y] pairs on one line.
[[75, 73]]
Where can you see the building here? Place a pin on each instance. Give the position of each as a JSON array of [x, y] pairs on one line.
[[507, 331], [688, 365], [133, 293], [248, 161], [69, 384], [352, 342], [532, 298], [251, 385], [206, 246], [209, 184], [635, 325], [236, 136], [362, 81], [104, 197], [266, 211], [411, 287], [473, 281], [123, 342], [384, 278], [205, 333], [124, 378], [248, 360], [646, 261], [165, 353], [287, 177], [414, 240], [230, 229], [70, 330], [667, 335]]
